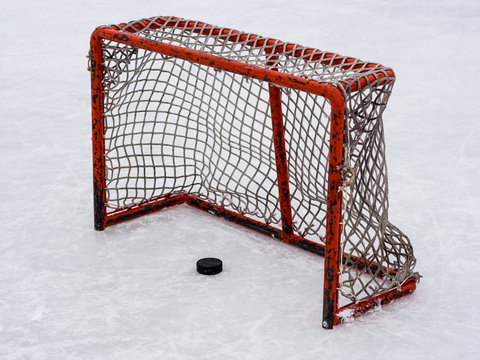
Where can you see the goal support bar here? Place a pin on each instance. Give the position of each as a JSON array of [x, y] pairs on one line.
[[332, 315]]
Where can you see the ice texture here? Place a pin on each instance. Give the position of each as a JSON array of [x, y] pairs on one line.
[[132, 292]]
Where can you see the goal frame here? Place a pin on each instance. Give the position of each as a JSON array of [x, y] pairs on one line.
[[332, 313]]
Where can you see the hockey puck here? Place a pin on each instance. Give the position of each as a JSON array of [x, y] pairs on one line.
[[209, 266]]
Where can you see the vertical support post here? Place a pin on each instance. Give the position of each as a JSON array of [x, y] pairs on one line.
[[280, 157], [334, 211], [98, 139]]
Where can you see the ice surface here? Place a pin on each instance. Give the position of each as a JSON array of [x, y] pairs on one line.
[[131, 292]]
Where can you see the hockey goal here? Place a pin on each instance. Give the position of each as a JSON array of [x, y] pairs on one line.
[[281, 138]]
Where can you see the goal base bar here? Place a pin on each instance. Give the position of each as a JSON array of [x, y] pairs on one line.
[[356, 309], [342, 315]]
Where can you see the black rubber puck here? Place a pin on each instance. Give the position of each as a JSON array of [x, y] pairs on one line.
[[209, 266]]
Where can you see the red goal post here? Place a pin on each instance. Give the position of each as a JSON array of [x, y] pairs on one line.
[[357, 76]]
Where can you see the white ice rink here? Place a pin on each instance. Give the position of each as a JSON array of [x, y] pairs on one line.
[[131, 292]]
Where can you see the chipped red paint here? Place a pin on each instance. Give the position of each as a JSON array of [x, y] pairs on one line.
[[334, 94], [334, 211], [360, 308], [151, 206], [277, 46], [98, 141], [281, 158], [237, 67]]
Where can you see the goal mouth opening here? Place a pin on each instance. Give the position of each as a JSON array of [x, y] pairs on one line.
[[281, 138]]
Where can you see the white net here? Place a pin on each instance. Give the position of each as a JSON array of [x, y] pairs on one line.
[[176, 127]]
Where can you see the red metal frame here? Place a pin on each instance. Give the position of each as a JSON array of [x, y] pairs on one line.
[[98, 140], [332, 315]]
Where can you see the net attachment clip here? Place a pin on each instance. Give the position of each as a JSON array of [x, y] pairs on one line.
[[89, 60], [348, 176]]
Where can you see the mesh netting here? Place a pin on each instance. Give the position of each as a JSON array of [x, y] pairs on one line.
[[175, 127]]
